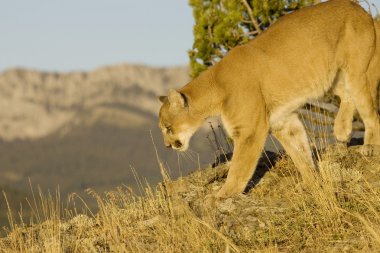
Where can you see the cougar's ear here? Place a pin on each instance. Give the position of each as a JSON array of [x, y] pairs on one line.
[[162, 99], [177, 99]]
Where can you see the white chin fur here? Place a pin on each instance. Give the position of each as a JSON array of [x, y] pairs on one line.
[[184, 138], [183, 148]]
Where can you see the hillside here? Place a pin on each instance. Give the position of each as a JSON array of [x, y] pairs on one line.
[[339, 212], [86, 129]]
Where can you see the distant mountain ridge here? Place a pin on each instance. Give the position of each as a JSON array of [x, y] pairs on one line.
[[84, 130], [35, 104]]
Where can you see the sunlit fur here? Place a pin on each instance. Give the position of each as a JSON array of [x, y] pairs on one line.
[[177, 124], [347, 109]]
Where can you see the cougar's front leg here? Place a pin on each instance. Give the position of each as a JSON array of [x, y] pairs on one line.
[[249, 142], [291, 133]]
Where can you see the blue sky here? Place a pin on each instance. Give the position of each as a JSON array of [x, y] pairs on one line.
[[65, 35], [85, 34]]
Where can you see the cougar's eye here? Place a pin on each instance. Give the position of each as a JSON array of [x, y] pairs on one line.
[[169, 130]]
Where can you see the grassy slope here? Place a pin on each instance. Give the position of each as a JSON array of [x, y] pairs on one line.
[[339, 211], [14, 198], [99, 157]]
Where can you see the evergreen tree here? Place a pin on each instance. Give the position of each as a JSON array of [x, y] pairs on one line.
[[223, 24]]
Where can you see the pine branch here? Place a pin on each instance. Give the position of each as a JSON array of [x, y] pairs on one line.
[[250, 13]]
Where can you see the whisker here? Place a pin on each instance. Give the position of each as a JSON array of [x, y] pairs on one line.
[[192, 153], [183, 155], [188, 156]]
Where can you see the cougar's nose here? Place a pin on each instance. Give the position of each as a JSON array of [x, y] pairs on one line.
[[177, 144]]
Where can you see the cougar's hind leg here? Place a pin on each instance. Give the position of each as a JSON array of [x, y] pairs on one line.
[[345, 115], [355, 63], [363, 100]]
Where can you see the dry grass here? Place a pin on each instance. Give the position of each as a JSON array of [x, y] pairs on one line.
[[338, 212]]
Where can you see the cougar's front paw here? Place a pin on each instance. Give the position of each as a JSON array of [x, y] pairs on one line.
[[340, 147], [210, 201], [223, 194], [228, 190], [371, 150]]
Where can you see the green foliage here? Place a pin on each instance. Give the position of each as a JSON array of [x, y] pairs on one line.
[[223, 24]]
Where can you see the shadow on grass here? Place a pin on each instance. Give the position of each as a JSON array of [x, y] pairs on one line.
[[267, 161]]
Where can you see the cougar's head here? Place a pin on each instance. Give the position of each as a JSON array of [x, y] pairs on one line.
[[176, 123]]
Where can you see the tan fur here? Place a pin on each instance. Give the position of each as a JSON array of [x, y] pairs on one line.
[[257, 87], [347, 109]]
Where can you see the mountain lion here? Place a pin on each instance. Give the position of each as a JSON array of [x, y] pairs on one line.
[[257, 87]]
